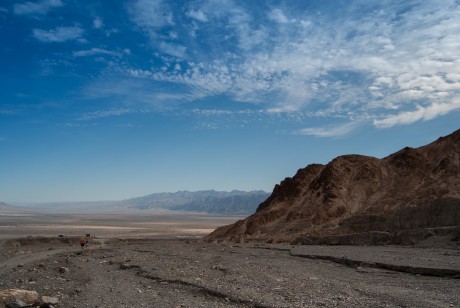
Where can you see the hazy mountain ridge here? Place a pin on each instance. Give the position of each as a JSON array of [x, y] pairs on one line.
[[5, 206], [210, 201], [355, 198], [235, 202], [7, 209]]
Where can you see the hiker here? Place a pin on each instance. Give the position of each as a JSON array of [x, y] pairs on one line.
[[82, 242]]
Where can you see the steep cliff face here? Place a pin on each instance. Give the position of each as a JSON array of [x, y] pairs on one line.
[[410, 189]]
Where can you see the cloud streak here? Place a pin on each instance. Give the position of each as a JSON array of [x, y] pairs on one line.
[[104, 114], [419, 114], [99, 51], [58, 35], [39, 8], [331, 131]]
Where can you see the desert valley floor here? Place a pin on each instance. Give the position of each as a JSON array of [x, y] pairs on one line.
[[139, 261]]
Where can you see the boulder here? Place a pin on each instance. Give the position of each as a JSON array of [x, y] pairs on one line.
[[17, 297]]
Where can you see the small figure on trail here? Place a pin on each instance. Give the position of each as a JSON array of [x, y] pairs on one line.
[[82, 242]]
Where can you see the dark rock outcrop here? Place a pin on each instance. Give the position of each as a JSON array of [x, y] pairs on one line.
[[403, 198]]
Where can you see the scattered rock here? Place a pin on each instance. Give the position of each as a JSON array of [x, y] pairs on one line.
[[51, 300], [125, 266], [64, 270], [220, 268]]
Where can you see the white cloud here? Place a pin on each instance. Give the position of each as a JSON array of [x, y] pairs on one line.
[[98, 23], [173, 49], [139, 93], [278, 16], [39, 8], [104, 114], [151, 15], [421, 113], [332, 131], [59, 34], [137, 73], [453, 77], [200, 81], [198, 15], [365, 61], [97, 51], [212, 112]]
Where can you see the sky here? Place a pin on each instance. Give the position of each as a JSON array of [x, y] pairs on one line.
[[107, 100]]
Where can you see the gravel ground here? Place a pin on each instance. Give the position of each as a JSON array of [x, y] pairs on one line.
[[179, 273]]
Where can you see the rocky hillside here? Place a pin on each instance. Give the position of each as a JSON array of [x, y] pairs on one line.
[[209, 201], [406, 197]]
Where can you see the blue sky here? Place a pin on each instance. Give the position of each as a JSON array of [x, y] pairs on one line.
[[105, 100]]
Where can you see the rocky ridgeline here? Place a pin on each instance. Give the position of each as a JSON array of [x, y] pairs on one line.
[[404, 198]]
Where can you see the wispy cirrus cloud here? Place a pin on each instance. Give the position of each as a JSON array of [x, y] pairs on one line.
[[330, 131], [385, 62], [100, 51], [420, 113], [36, 8], [58, 34], [104, 114], [135, 93]]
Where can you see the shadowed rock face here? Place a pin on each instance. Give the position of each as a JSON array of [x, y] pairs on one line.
[[412, 189]]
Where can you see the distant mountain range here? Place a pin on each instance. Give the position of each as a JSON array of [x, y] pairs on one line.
[[209, 201], [5, 206], [9, 209]]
